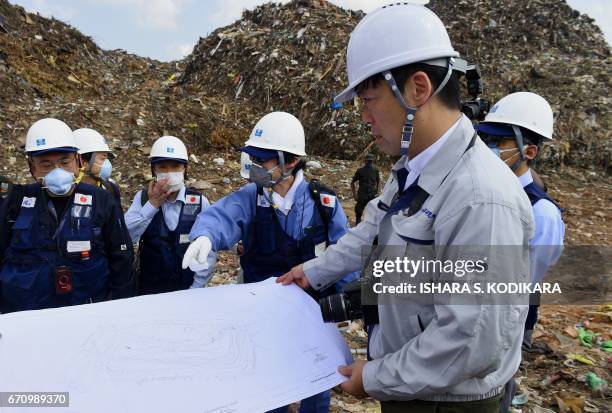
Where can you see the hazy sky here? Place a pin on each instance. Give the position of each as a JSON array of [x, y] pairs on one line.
[[168, 29]]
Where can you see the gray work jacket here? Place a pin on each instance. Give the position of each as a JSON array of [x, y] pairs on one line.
[[442, 352]]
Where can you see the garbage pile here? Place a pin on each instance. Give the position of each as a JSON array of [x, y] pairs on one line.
[[48, 68], [292, 57], [284, 57], [546, 47]]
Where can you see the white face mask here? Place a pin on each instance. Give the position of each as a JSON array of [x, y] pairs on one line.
[[175, 179]]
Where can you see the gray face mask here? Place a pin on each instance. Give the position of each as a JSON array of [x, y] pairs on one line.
[[262, 177]]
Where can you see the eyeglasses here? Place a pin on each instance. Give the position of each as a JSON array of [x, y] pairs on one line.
[[257, 160], [63, 163]]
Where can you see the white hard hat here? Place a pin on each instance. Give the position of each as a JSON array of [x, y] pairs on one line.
[[168, 148], [278, 131], [245, 165], [49, 135], [524, 109], [392, 36], [89, 140]]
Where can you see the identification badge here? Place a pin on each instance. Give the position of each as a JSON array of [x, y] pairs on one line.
[[328, 200], [63, 280], [82, 199], [320, 248], [28, 202], [262, 201], [192, 199], [184, 239], [78, 246]]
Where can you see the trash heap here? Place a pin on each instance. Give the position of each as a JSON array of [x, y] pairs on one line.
[[292, 57], [49, 69], [546, 47], [284, 57]]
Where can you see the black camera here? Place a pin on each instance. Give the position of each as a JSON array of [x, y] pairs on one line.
[[347, 305], [476, 108]]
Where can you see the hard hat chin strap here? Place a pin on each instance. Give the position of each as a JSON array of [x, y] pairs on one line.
[[408, 128], [518, 136], [281, 164]]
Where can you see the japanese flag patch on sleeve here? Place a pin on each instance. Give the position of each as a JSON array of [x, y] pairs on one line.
[[328, 200], [82, 199]]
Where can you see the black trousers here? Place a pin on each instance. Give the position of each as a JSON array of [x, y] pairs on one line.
[[490, 405], [360, 206]]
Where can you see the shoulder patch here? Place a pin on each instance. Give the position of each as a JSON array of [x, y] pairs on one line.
[[28, 202], [82, 199], [193, 199], [328, 200]]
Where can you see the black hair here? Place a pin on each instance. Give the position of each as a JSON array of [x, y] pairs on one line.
[[87, 157], [290, 157], [450, 95], [532, 138]]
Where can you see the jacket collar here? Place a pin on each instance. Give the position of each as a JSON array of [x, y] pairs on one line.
[[441, 163]]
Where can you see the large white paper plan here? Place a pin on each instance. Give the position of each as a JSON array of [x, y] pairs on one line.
[[237, 348]]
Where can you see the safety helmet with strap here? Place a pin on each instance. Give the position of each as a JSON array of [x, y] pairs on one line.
[[49, 135], [528, 110], [396, 35], [520, 110], [89, 140], [278, 131], [168, 148]]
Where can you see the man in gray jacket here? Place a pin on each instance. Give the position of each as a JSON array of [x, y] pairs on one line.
[[439, 357]]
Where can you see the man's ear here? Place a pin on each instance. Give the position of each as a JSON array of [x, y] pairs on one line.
[[530, 152], [31, 166], [418, 89]]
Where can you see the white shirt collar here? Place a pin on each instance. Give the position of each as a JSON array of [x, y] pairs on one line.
[[285, 203], [416, 165], [526, 178]]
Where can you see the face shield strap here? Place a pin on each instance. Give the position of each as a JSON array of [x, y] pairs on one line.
[[410, 113]]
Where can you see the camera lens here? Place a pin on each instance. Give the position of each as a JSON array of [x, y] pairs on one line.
[[333, 308]]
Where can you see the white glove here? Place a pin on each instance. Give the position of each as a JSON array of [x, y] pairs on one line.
[[196, 256]]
